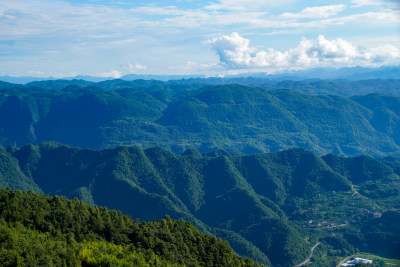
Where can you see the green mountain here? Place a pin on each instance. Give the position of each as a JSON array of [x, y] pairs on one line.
[[314, 86], [228, 117], [271, 207], [38, 230]]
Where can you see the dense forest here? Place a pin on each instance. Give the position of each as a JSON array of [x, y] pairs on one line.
[[38, 230], [272, 207], [206, 114], [195, 151]]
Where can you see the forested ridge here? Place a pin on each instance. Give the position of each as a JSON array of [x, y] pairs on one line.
[[209, 114], [272, 207], [38, 230]]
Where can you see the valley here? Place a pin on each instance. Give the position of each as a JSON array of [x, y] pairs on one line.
[[251, 164], [265, 205]]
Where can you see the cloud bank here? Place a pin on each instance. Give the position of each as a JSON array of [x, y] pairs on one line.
[[235, 52], [60, 37]]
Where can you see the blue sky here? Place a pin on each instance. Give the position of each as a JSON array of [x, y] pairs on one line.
[[112, 38]]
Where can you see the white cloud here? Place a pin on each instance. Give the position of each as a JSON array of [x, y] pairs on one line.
[[48, 19], [393, 4], [107, 27], [316, 12], [113, 73], [245, 4], [133, 68], [360, 3], [235, 52], [95, 37], [191, 67], [387, 17], [37, 73], [154, 10]]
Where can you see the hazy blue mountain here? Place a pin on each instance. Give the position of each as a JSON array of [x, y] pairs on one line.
[[348, 73], [131, 77], [21, 80], [334, 86]]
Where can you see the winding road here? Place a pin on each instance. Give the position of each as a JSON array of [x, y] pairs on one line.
[[311, 254], [355, 192]]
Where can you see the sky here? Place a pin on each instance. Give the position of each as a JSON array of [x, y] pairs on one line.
[[111, 38]]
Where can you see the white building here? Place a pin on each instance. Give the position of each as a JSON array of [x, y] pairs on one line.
[[355, 261]]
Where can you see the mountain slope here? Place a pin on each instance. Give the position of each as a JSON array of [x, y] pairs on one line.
[[231, 195], [229, 117], [38, 230]]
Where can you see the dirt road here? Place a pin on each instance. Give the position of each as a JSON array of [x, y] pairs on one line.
[[311, 254]]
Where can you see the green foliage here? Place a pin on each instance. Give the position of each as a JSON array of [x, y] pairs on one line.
[[267, 206], [37, 230], [11, 175], [204, 115], [279, 241], [271, 207]]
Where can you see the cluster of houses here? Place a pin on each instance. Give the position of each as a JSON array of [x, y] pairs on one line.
[[355, 261], [323, 225]]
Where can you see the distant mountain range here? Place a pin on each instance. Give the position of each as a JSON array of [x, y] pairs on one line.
[[192, 114], [349, 73], [352, 74], [272, 207]]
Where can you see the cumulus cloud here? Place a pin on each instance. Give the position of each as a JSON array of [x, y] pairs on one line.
[[235, 52], [316, 12]]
